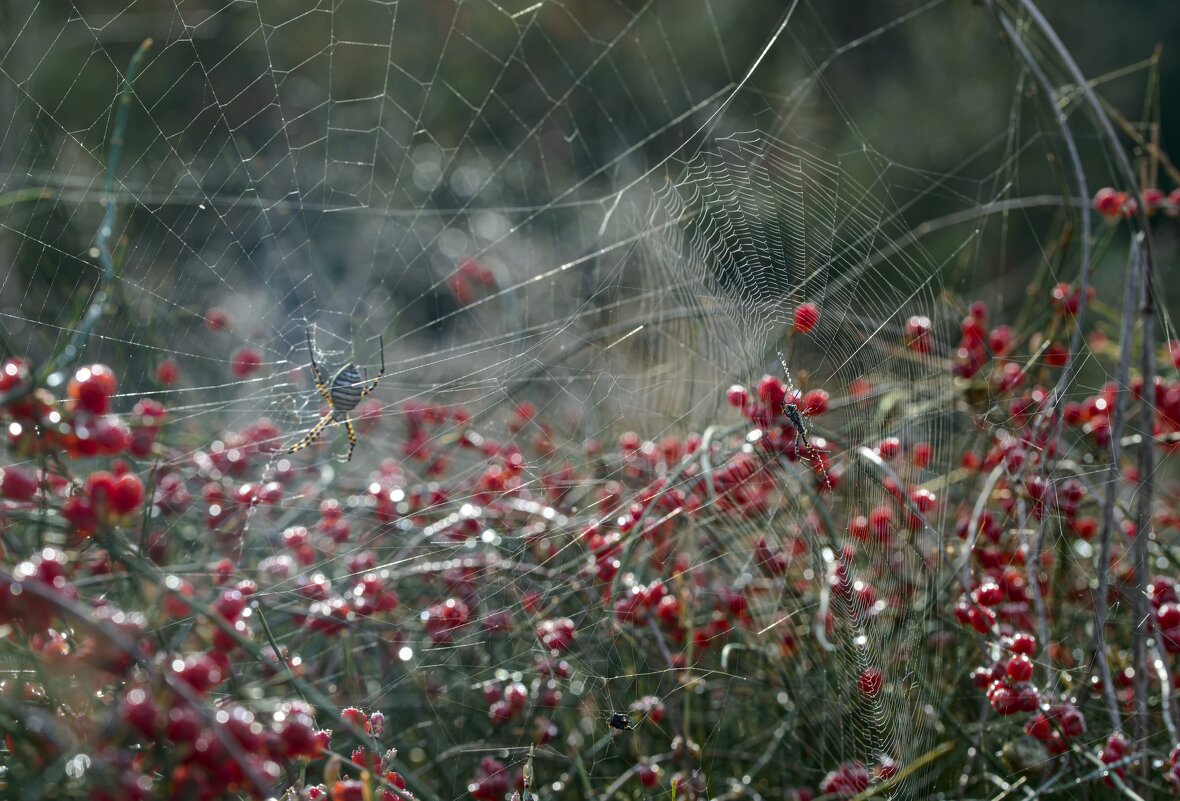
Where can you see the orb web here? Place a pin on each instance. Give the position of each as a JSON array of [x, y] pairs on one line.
[[575, 227]]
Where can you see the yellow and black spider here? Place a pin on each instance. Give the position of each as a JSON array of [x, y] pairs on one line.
[[342, 395]]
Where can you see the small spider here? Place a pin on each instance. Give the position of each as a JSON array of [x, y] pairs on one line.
[[620, 721], [791, 409], [796, 417], [342, 395]]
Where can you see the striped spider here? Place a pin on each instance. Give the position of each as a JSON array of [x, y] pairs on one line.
[[793, 413], [342, 395]]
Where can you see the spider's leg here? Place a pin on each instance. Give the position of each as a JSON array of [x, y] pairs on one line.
[[351, 438], [312, 435], [365, 392], [320, 386]]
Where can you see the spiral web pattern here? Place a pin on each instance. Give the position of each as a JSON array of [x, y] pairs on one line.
[[751, 228], [641, 188]]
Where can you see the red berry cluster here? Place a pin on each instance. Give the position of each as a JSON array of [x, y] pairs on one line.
[[82, 427], [1114, 205], [1009, 684], [849, 779], [1055, 726]]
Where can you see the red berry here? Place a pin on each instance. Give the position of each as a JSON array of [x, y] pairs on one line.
[[814, 403], [167, 372], [91, 388], [1085, 527], [139, 711], [982, 677], [1057, 355], [17, 483], [871, 680], [1020, 668], [127, 495], [890, 448], [988, 594], [1027, 699], [982, 619], [355, 717], [806, 318], [917, 333], [973, 331], [216, 319], [198, 671], [738, 396], [14, 373], [924, 499], [1039, 727], [1003, 700], [1011, 376], [999, 340], [1072, 722], [183, 725], [1108, 202], [1168, 616], [881, 522], [858, 528], [1023, 643], [772, 392], [245, 362]]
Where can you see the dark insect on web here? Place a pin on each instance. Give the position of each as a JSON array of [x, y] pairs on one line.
[[345, 392], [795, 416], [792, 413], [620, 721], [791, 408]]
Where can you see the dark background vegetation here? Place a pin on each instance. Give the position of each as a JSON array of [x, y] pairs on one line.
[[274, 141]]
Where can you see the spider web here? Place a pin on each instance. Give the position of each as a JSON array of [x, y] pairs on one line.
[[609, 211]]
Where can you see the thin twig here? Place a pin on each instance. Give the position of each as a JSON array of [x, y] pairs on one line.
[[1140, 607], [1113, 478]]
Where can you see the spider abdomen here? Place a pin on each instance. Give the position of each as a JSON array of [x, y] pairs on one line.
[[345, 390]]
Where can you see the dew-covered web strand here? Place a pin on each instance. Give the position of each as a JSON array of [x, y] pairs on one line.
[[122, 197], [750, 307]]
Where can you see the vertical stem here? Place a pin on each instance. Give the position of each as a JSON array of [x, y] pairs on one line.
[[1079, 175], [1139, 548], [1113, 478], [1101, 117], [106, 228]]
